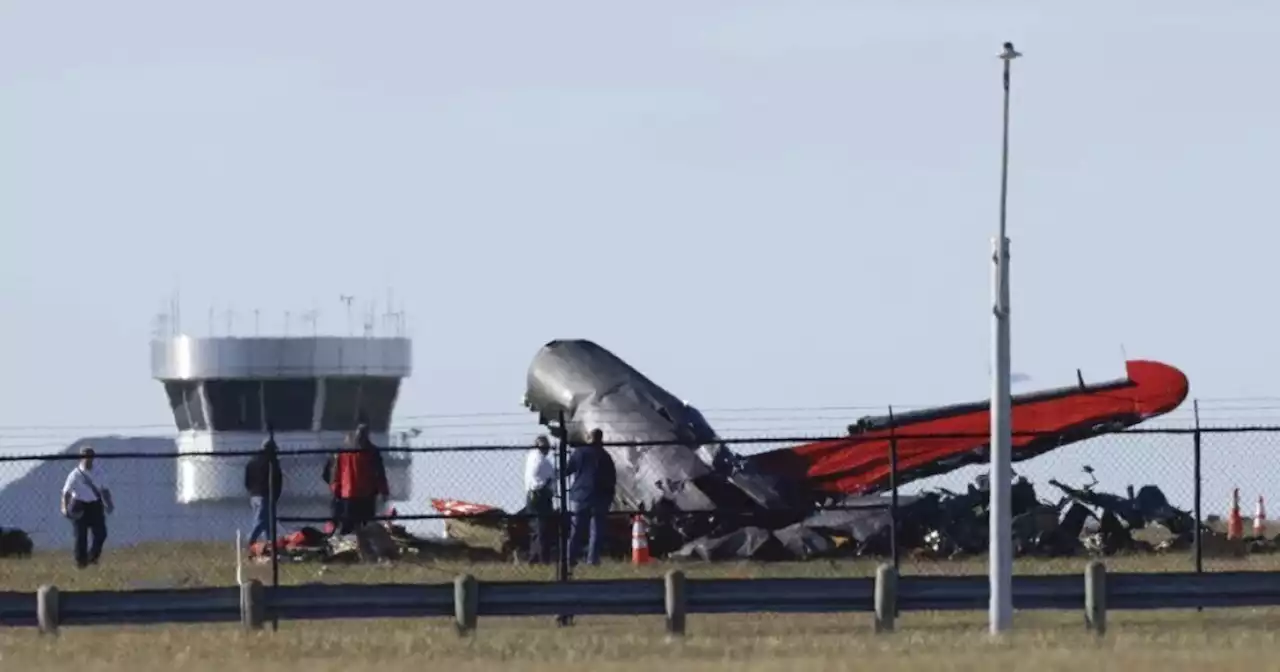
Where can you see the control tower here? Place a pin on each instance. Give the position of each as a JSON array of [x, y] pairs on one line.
[[224, 391]]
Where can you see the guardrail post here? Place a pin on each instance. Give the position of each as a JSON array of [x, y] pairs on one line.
[[252, 607], [675, 602], [1095, 597], [47, 613], [466, 602], [886, 600]]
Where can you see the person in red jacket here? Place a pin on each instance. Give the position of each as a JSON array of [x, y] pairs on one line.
[[357, 479]]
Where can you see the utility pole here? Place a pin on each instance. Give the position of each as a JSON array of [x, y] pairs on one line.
[[1000, 530]]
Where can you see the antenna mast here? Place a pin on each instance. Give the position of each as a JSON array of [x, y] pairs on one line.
[[347, 299]]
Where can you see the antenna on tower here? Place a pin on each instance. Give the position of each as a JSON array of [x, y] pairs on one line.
[[310, 316], [401, 328], [286, 323], [388, 317], [257, 331], [177, 311], [231, 316], [157, 324], [399, 321], [347, 299], [369, 319]]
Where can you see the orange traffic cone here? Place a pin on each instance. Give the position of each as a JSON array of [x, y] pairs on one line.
[[1235, 525], [1260, 519], [639, 541]]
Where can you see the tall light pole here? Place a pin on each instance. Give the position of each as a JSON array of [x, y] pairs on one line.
[[1000, 532]]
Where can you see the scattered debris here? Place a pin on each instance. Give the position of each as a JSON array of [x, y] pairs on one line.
[[937, 524], [375, 542]]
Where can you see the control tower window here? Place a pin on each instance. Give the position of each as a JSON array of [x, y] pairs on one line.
[[178, 404], [184, 401], [348, 400], [236, 404], [195, 407], [289, 403], [341, 404], [377, 398]]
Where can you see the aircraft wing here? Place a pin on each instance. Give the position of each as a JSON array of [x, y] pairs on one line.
[[939, 440]]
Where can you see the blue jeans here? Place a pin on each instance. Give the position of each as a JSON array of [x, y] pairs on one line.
[[261, 519], [593, 515]]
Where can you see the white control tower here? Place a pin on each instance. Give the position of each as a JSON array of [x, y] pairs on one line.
[[225, 391]]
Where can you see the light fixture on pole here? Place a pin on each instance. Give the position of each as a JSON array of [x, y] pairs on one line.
[[1000, 531]]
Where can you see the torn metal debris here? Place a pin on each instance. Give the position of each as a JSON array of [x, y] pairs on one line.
[[934, 524], [375, 542]]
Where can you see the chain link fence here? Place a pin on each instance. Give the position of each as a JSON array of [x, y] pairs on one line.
[[1132, 496]]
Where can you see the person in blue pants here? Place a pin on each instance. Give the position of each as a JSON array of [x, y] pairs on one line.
[[590, 496], [261, 475]]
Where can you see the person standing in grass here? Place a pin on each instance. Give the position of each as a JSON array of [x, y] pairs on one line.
[[591, 496], [539, 486], [86, 502], [358, 481], [261, 475]]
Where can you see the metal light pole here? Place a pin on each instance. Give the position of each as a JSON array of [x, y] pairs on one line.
[[1000, 533]]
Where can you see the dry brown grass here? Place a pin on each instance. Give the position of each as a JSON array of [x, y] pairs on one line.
[[1044, 641]]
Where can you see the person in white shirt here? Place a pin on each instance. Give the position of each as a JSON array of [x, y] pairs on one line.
[[86, 501], [539, 486]]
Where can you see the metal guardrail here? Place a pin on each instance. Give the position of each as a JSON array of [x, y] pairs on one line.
[[17, 609], [466, 599]]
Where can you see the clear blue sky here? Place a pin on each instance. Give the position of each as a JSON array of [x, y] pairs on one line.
[[759, 204]]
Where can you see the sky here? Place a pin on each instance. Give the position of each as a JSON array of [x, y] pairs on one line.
[[758, 204]]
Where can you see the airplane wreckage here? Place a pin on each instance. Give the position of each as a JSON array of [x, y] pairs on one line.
[[827, 497]]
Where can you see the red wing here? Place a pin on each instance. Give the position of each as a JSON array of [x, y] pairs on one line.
[[939, 440]]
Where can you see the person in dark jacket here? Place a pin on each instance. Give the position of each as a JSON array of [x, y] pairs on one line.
[[590, 496], [262, 469], [358, 480]]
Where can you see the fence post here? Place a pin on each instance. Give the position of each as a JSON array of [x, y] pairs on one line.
[[48, 614], [1199, 542], [466, 603], [252, 610], [675, 602], [240, 550], [1095, 597], [273, 522], [562, 529], [893, 490], [886, 597]]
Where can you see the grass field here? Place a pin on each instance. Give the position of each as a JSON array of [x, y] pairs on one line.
[[1044, 641], [179, 565]]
